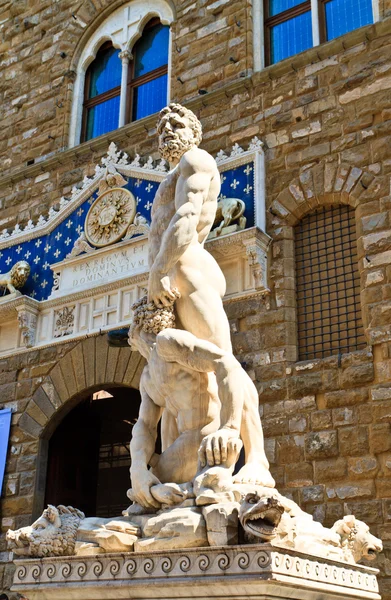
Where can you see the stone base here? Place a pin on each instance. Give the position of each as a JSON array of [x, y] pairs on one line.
[[240, 572]]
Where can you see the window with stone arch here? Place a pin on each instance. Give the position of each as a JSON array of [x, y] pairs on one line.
[[283, 28], [329, 318], [123, 71]]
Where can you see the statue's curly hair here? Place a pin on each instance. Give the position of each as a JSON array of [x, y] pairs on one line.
[[184, 112], [19, 279]]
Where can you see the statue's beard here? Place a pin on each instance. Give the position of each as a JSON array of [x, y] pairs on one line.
[[172, 150]]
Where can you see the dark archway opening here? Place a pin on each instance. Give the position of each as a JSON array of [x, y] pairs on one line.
[[88, 454]]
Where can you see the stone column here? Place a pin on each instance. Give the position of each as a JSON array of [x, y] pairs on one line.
[[125, 57]]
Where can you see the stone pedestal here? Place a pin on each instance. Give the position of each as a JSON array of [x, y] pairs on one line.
[[240, 572]]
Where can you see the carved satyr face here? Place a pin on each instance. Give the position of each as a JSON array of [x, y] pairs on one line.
[[176, 136]]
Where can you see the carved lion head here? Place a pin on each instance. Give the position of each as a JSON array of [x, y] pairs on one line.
[[19, 273]]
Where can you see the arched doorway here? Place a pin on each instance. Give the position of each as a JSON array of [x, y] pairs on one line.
[[88, 453]]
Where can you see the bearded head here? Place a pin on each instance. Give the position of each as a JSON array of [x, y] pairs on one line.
[[179, 130]]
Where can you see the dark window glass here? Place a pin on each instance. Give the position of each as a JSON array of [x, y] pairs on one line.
[[102, 93], [290, 37], [278, 6], [151, 51], [148, 84], [345, 15], [102, 118], [328, 284], [105, 72], [149, 97]]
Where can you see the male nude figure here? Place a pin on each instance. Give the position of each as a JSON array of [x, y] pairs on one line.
[[194, 382], [182, 216]]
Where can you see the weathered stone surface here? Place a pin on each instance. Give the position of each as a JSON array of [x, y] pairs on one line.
[[322, 444]]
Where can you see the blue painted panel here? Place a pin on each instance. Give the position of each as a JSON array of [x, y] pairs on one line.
[[291, 37], [345, 15], [52, 248], [5, 422], [239, 183]]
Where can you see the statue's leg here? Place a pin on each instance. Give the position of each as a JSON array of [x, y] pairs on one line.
[[179, 462], [200, 308]]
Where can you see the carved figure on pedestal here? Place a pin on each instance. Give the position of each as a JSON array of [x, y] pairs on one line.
[[228, 211], [64, 531], [15, 278], [189, 496], [201, 390]]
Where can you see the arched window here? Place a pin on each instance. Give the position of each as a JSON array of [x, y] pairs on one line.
[[328, 284], [102, 93], [122, 73]]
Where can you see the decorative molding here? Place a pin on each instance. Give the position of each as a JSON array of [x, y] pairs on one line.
[[27, 320], [118, 161], [245, 567], [64, 321]]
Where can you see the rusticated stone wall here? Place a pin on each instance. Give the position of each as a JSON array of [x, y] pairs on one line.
[[325, 119]]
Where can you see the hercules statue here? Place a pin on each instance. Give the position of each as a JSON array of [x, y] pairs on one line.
[[208, 399]]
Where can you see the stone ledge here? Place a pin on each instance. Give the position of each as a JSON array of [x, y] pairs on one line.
[[235, 571]]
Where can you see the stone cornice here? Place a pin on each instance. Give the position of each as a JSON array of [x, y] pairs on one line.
[[122, 135], [232, 571]]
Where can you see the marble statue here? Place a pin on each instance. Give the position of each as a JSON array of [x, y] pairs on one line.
[[193, 494], [228, 211], [208, 402], [16, 277], [64, 531], [279, 521]]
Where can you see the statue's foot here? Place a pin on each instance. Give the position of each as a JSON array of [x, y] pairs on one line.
[[256, 474]]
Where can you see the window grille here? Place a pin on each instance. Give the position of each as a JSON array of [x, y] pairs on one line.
[[328, 284], [290, 28]]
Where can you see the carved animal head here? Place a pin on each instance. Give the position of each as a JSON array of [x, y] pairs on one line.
[[19, 273], [355, 537], [260, 516], [53, 534]]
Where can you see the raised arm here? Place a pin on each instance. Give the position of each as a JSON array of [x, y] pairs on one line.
[[142, 448], [192, 188]]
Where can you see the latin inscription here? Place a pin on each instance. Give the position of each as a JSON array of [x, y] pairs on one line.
[[112, 265]]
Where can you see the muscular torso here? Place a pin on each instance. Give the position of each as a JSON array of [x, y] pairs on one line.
[[166, 204], [191, 397]]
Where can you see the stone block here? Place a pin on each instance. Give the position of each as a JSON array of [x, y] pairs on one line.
[[321, 419], [362, 467], [330, 470], [78, 366], [27, 424], [321, 444], [356, 375], [369, 511], [380, 438], [89, 360], [222, 523], [290, 450], [101, 351], [42, 401], [353, 441]]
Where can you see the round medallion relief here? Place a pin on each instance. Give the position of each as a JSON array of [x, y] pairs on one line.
[[110, 216]]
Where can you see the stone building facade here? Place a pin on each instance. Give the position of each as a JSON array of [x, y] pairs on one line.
[[324, 119]]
